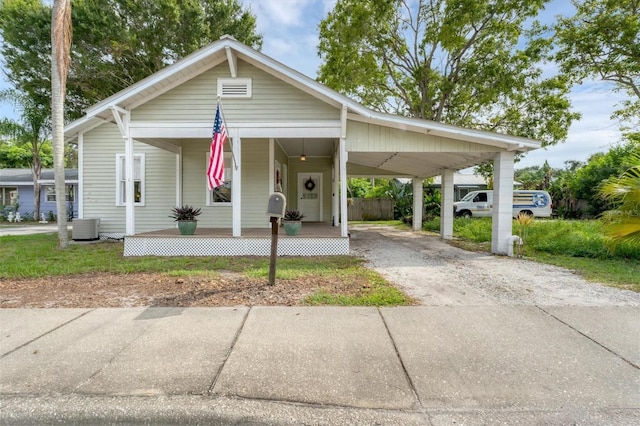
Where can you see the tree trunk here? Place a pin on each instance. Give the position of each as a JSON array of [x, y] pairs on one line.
[[60, 47], [36, 170]]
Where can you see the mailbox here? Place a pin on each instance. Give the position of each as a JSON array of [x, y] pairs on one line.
[[277, 205]]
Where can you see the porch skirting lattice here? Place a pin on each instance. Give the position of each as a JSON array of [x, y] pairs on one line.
[[239, 246]]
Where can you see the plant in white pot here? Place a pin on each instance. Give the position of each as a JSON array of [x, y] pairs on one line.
[[186, 218], [292, 222]]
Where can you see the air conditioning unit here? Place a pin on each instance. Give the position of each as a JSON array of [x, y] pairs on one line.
[[85, 229]]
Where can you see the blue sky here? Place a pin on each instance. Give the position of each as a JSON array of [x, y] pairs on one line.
[[290, 31]]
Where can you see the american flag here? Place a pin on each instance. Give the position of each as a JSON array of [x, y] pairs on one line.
[[215, 171]]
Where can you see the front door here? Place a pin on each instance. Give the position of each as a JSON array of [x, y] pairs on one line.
[[310, 196]]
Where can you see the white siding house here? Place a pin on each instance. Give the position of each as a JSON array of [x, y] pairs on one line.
[[144, 151]]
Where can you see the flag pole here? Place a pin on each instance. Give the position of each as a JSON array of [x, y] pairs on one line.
[[233, 157]]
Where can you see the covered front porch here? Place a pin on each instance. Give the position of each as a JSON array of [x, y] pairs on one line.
[[315, 239]]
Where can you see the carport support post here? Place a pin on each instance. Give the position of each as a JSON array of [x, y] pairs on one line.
[[446, 205], [418, 197], [501, 225]]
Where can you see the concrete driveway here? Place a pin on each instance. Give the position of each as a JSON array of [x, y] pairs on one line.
[[28, 229]]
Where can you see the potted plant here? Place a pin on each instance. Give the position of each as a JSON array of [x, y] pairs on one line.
[[186, 218], [292, 222]]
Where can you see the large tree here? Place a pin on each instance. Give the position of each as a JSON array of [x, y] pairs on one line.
[[116, 42], [599, 168], [535, 177], [463, 62], [602, 41]]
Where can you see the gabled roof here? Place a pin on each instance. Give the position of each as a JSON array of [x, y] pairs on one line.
[[227, 48]]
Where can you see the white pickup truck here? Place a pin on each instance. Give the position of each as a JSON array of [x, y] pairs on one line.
[[480, 204]]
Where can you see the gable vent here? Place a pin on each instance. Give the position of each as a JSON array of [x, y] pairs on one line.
[[234, 87]]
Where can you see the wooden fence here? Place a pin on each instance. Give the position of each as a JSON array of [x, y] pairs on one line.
[[370, 209]]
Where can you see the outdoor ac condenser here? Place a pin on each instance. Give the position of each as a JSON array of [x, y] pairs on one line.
[[85, 229]]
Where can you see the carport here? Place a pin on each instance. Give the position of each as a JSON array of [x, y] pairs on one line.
[[383, 145]]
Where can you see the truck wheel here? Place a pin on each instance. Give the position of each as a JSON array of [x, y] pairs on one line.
[[466, 214]]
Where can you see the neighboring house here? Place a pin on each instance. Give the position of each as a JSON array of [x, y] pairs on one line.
[[16, 189], [464, 183], [159, 130]]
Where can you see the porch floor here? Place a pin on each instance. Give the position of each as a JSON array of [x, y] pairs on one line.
[[309, 230]]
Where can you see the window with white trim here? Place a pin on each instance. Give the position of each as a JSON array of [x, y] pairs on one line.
[[222, 194], [138, 180], [51, 193], [8, 196]]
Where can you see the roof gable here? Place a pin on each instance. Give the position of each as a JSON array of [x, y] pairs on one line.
[[272, 100], [227, 49]]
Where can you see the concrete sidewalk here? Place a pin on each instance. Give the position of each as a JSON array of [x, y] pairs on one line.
[[322, 365]]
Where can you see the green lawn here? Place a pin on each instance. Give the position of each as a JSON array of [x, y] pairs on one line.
[[576, 245], [31, 256]]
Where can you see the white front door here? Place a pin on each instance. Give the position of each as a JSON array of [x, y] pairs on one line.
[[310, 196]]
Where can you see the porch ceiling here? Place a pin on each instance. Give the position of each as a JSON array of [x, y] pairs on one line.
[[408, 164], [414, 164], [400, 164], [313, 147]]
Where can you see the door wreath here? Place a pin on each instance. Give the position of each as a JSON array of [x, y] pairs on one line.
[[309, 184]]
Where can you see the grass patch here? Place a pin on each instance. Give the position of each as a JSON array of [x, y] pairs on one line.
[[615, 272], [36, 256], [32, 256], [377, 292], [290, 268], [578, 245]]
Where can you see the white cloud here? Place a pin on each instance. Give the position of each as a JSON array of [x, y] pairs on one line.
[[298, 54]]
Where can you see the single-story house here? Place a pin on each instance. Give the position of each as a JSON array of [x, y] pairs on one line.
[[144, 150], [16, 189]]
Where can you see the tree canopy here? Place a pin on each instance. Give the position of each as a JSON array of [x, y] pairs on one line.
[[602, 41], [115, 42], [462, 62]]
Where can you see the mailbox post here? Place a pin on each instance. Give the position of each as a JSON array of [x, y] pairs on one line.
[[275, 209]]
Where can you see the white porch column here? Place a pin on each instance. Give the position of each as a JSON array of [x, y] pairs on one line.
[[418, 209], [272, 166], [236, 184], [335, 189], [130, 228], [123, 120], [343, 174], [179, 177], [501, 226], [446, 204], [80, 193]]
